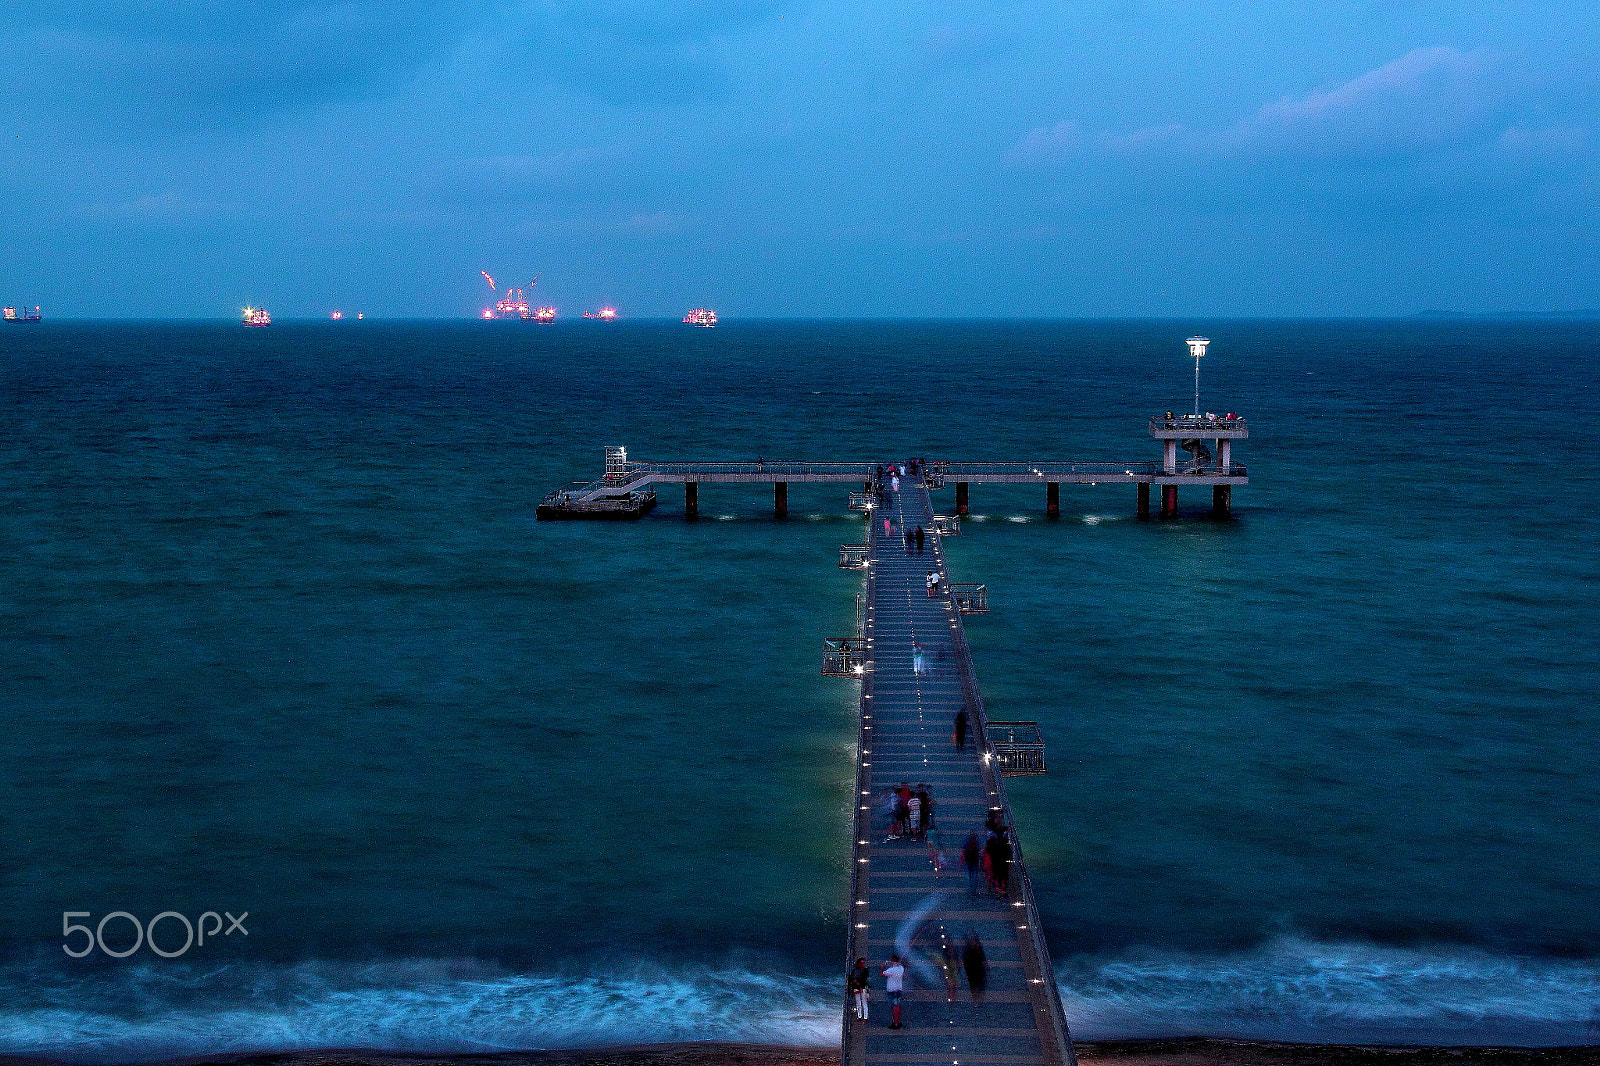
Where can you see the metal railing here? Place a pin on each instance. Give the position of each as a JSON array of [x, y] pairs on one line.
[[970, 597], [1199, 425], [853, 556], [763, 468], [843, 656], [1042, 469], [862, 501], [1057, 1033], [1018, 748], [947, 525]]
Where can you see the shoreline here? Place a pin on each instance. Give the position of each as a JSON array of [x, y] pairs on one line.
[[1187, 1051]]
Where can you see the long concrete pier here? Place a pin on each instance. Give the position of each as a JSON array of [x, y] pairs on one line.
[[912, 896], [627, 488]]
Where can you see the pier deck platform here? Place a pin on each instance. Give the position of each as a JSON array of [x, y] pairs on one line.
[[900, 900]]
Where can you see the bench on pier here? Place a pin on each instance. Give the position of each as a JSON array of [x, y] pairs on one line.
[[843, 656], [971, 598], [853, 556], [1018, 747]]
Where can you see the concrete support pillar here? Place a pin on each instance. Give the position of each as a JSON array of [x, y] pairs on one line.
[[1221, 501], [1052, 499], [691, 499], [780, 499], [1224, 454], [1169, 500], [1144, 499], [1169, 456], [961, 497]]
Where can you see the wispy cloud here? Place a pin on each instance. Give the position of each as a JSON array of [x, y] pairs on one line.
[[1426, 99]]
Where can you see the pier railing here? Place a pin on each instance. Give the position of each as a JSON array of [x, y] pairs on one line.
[[1199, 425], [1056, 1030], [766, 468]]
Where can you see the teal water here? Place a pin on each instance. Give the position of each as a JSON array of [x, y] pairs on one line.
[[282, 636]]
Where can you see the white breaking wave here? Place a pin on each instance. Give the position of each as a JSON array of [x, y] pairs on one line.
[[1288, 990], [424, 1006], [1300, 990]]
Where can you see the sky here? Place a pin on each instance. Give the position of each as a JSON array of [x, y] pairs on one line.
[[801, 158]]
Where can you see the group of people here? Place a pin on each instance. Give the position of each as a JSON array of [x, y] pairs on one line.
[[914, 539], [988, 860], [970, 960], [913, 813], [935, 584]]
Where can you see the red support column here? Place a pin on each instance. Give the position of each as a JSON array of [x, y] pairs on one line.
[[961, 497], [1169, 501], [1052, 499]]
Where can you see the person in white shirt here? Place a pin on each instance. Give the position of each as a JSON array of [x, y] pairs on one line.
[[894, 982]]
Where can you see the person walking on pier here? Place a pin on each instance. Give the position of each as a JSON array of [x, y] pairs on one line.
[[926, 821], [933, 584], [998, 852], [894, 483], [972, 859], [894, 982], [888, 527], [976, 963], [961, 729], [857, 983], [919, 540], [909, 539]]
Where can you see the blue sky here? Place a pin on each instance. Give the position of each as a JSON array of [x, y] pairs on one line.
[[793, 158]]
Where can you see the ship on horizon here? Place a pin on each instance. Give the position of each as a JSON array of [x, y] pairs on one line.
[[701, 316], [605, 314], [256, 316], [25, 315]]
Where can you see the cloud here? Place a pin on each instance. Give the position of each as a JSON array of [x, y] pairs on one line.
[[1426, 99]]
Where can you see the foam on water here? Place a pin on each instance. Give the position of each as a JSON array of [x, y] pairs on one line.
[[1299, 990], [153, 1011], [1290, 989]]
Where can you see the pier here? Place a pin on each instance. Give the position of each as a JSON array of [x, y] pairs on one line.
[[628, 487], [910, 894]]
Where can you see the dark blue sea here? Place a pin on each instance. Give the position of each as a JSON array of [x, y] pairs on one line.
[[281, 638]]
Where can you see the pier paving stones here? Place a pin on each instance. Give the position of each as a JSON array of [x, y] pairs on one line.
[[901, 900]]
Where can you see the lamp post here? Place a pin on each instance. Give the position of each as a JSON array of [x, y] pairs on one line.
[[1197, 348]]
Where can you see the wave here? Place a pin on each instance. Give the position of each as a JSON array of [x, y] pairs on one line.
[[1290, 990], [1304, 991], [439, 1006]]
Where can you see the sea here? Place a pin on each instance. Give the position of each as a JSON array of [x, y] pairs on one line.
[[314, 737]]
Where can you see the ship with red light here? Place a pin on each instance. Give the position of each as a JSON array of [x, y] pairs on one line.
[[337, 315], [605, 314], [257, 316], [13, 315], [701, 316]]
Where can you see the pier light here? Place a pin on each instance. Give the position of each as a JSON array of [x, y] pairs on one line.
[[1197, 348]]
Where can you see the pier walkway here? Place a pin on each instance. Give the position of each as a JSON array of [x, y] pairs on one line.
[[901, 901]]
